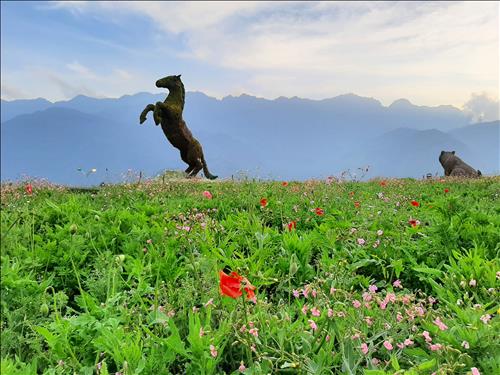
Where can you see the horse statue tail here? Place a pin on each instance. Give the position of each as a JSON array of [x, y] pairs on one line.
[[205, 169]]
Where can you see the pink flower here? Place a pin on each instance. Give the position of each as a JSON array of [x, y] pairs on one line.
[[213, 351], [472, 282], [304, 309], [361, 241], [408, 342], [375, 361], [202, 332], [485, 318], [400, 345], [313, 293], [373, 288], [296, 293], [313, 325], [369, 321], [210, 302], [397, 284], [390, 297], [315, 311], [406, 299], [465, 344], [242, 367], [341, 314], [355, 336], [207, 194], [330, 313], [367, 297], [435, 347], [243, 328], [332, 290], [399, 317], [305, 291], [440, 324], [419, 310], [475, 371], [388, 345], [150, 241], [364, 348], [254, 332], [427, 337], [356, 304]]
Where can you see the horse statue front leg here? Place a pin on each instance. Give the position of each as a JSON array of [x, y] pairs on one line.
[[149, 107], [156, 114]]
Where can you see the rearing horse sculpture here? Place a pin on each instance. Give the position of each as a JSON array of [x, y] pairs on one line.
[[169, 115]]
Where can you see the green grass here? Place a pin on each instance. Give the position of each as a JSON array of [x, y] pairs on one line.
[[126, 278]]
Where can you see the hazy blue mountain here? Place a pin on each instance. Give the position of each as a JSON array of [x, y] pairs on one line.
[[483, 142], [289, 138], [11, 109]]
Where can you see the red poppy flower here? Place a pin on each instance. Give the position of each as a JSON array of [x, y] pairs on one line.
[[414, 223], [446, 190], [29, 189], [320, 211], [383, 183], [263, 202], [284, 183], [357, 204], [232, 284], [415, 203], [292, 225]]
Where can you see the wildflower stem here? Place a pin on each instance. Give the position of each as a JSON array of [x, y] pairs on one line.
[[249, 353]]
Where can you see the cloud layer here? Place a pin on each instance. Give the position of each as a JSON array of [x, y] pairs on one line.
[[430, 52]]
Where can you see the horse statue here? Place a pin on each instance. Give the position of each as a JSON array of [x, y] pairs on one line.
[[169, 114]]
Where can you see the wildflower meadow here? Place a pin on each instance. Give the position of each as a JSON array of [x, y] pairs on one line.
[[171, 276]]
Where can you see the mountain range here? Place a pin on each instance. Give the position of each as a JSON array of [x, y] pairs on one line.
[[284, 138]]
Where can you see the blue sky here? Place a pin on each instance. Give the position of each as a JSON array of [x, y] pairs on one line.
[[431, 53]]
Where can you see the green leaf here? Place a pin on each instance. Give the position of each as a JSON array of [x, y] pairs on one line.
[[174, 341], [428, 365], [428, 270], [395, 363]]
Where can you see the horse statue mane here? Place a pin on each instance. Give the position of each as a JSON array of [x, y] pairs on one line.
[[169, 114]]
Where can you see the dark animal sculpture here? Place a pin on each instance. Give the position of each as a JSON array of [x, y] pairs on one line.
[[454, 166], [169, 115]]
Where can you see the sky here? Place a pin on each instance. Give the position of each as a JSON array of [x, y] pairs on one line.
[[432, 53]]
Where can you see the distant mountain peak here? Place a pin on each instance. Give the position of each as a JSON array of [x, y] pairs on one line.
[[401, 103]]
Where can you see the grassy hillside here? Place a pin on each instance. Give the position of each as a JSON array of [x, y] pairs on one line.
[[385, 277]]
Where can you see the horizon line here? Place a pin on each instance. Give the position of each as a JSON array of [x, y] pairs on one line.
[[229, 96]]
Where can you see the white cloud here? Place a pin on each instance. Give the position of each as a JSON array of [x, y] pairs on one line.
[[482, 107], [83, 71], [430, 52]]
